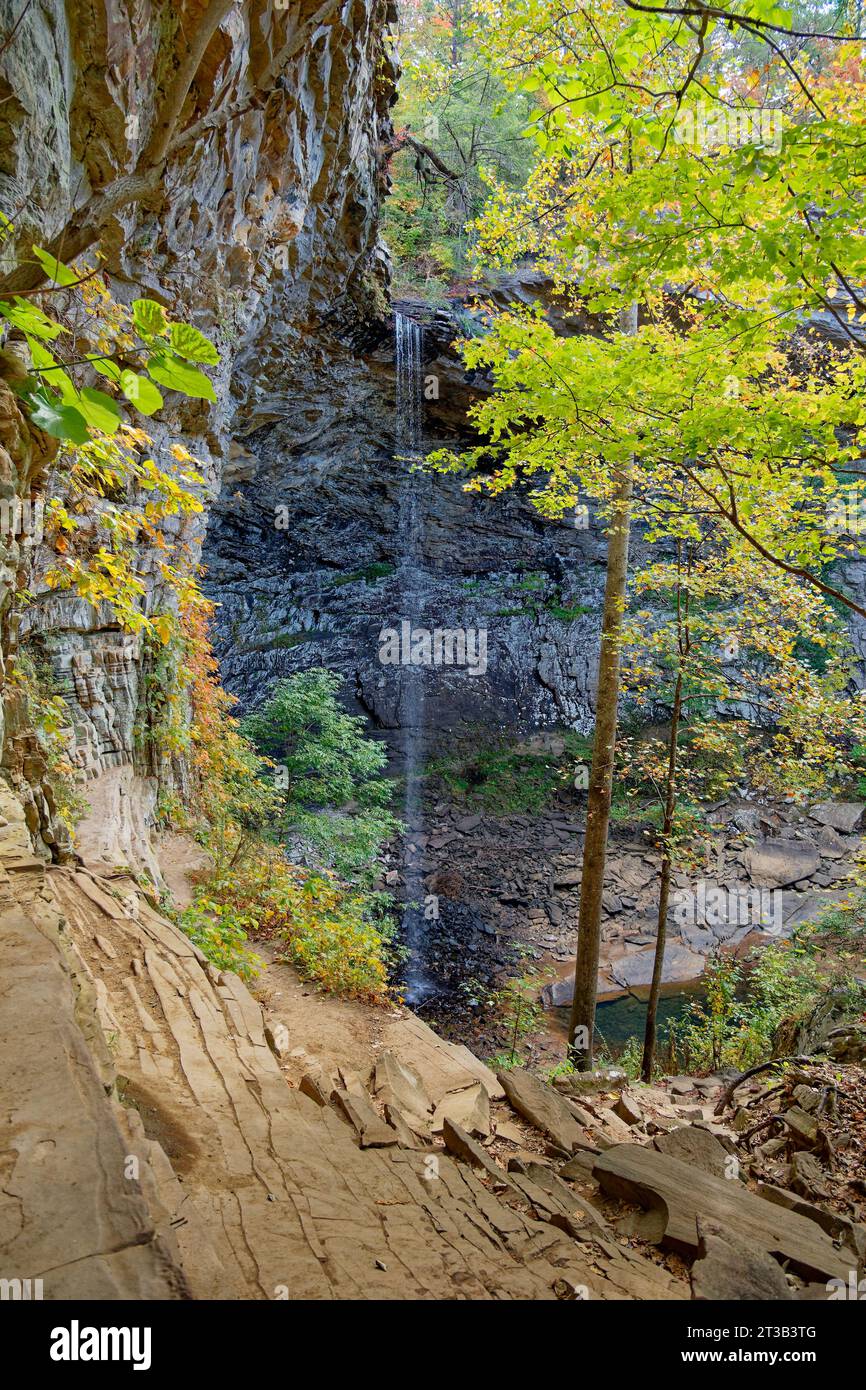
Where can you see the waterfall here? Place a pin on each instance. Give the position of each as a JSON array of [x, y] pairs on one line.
[[409, 344], [411, 579]]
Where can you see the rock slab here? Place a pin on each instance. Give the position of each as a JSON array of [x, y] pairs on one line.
[[681, 1193]]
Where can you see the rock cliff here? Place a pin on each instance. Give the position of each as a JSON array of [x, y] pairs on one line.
[[306, 549], [264, 225]]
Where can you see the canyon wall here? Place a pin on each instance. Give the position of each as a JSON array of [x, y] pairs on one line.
[[307, 549], [263, 227]]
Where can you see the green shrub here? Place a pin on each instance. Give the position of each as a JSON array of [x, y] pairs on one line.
[[329, 775], [220, 931], [501, 779]]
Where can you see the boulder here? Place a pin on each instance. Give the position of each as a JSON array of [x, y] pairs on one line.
[[680, 964], [558, 994], [371, 1129], [694, 1146], [776, 863], [396, 1084], [831, 843], [588, 1083], [844, 816], [803, 1127], [439, 1065], [511, 1133], [678, 1193], [579, 1168], [847, 1044], [627, 1109], [544, 1108], [604, 1124], [458, 1142], [840, 1228], [727, 1268], [807, 1177], [352, 1082], [407, 1138], [682, 1085], [316, 1085], [570, 879], [469, 1108]]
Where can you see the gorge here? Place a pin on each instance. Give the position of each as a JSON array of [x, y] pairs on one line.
[[258, 1043]]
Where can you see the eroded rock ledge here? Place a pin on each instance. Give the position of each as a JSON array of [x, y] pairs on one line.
[[155, 1146]]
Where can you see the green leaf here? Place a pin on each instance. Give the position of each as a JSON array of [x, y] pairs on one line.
[[30, 319], [106, 367], [55, 269], [141, 392], [149, 318], [60, 421], [95, 407], [178, 375], [99, 410], [188, 342], [40, 356]]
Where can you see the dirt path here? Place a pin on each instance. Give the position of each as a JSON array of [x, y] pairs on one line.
[[321, 1030]]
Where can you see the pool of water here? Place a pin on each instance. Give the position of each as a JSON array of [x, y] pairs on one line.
[[619, 1019]]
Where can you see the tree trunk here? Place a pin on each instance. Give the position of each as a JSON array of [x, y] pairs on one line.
[[456, 32], [649, 1043], [582, 1026]]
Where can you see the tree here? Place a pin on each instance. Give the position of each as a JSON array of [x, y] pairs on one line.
[[572, 416], [616, 201], [455, 117], [329, 774], [751, 673], [581, 1025]]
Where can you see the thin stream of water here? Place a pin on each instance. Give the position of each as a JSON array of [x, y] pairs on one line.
[[411, 578]]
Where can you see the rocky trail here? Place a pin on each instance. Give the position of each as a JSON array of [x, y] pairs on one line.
[[165, 1136]]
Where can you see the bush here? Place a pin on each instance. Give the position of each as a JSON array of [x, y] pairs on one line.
[[221, 933], [333, 797], [757, 1012], [337, 935], [339, 938]]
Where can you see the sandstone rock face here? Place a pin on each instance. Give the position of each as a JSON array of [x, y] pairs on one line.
[[246, 1187], [73, 1213], [263, 225]]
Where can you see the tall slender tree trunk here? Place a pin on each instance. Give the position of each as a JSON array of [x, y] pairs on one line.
[[582, 1026], [649, 1042]]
